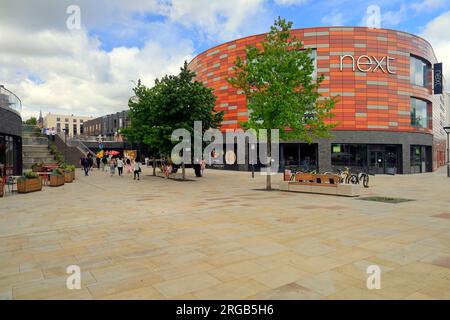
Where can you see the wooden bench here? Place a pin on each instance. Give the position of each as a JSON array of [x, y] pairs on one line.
[[318, 183]]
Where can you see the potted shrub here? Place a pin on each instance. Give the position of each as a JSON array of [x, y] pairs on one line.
[[29, 182], [56, 178], [72, 170], [68, 173], [37, 167]]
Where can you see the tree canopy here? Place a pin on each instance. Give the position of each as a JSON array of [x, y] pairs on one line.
[[282, 92], [174, 102]]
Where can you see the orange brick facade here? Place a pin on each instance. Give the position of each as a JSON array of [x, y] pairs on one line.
[[376, 100]]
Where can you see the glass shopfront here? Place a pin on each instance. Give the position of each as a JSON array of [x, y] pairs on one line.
[[10, 155], [373, 158], [421, 159], [298, 156]]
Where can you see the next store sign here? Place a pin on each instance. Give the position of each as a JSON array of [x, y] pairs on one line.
[[365, 63]]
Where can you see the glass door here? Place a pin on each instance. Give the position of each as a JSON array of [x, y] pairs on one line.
[[391, 160], [377, 161]]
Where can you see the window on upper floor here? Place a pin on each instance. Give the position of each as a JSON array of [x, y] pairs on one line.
[[419, 113], [419, 70]]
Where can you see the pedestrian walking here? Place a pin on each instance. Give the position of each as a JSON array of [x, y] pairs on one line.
[[137, 169], [203, 165], [120, 166], [112, 166], [53, 133], [104, 163], [128, 161], [85, 165]]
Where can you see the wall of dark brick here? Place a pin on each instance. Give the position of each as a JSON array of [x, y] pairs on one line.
[[73, 154], [10, 123]]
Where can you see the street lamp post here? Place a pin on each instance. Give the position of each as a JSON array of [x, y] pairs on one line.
[[252, 147], [447, 130]]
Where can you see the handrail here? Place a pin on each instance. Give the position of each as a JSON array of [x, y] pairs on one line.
[[10, 100], [76, 143]]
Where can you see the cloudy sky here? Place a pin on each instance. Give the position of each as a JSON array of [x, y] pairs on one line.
[[92, 70]]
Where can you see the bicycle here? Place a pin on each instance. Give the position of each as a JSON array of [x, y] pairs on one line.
[[360, 177]]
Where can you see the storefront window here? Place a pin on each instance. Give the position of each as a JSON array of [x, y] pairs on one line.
[[419, 113], [350, 155], [419, 70]]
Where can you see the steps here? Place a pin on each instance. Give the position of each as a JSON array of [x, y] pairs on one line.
[[34, 147]]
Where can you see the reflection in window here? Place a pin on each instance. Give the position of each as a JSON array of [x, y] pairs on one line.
[[350, 155], [419, 114], [419, 70]]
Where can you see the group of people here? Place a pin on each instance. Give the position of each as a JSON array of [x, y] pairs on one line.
[[120, 164], [50, 133], [132, 166], [113, 163]]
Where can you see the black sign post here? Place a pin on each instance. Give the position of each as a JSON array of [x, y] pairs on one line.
[[437, 78]]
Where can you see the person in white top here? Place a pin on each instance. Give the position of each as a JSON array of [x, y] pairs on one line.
[[120, 166], [137, 169]]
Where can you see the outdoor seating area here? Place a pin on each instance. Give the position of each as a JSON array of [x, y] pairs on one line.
[[318, 183], [42, 174]]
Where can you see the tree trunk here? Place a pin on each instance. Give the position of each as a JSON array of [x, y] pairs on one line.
[[154, 166], [183, 171], [269, 168]]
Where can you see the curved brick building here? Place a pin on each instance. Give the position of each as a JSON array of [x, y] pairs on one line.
[[390, 120]]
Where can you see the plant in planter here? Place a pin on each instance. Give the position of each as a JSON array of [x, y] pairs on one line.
[[29, 182], [72, 170], [56, 178], [37, 167], [69, 172]]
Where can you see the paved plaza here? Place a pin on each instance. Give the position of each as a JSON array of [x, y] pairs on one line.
[[221, 237]]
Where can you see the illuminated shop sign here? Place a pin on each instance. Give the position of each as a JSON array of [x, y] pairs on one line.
[[437, 75], [367, 63]]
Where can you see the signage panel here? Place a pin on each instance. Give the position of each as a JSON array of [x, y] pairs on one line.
[[437, 78]]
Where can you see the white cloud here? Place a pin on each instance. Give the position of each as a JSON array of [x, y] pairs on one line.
[[221, 19], [78, 76], [334, 19], [428, 5], [436, 33], [393, 18], [54, 69]]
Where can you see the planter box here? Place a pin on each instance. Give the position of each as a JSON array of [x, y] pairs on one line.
[[56, 180], [68, 177], [29, 185]]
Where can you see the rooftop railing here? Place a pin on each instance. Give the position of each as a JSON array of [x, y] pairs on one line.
[[9, 100]]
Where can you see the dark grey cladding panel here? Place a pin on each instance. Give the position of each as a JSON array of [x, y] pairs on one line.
[[380, 137], [10, 122], [405, 139]]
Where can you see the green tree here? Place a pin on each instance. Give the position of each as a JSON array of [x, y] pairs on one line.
[[281, 90], [174, 102], [31, 122]]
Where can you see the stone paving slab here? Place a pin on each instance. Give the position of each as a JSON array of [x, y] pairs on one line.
[[218, 237]]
